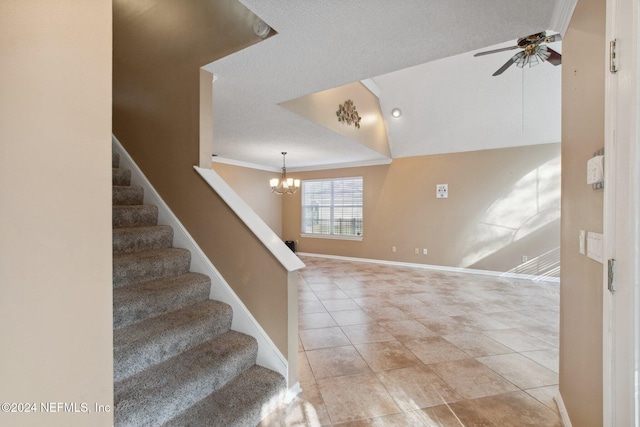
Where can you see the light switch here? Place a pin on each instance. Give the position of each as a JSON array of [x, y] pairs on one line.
[[595, 170], [595, 246]]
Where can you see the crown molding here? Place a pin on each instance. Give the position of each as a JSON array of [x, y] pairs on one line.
[[562, 15], [361, 164], [227, 161], [365, 163]]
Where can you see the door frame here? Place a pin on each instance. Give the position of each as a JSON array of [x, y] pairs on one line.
[[621, 223]]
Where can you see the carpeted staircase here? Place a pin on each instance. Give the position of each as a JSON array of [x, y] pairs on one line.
[[176, 360]]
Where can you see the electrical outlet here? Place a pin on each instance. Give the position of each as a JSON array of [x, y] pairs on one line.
[[525, 258], [393, 249], [425, 251], [442, 191], [416, 251]]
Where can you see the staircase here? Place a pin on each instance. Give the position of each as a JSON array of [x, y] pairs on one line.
[[176, 360]]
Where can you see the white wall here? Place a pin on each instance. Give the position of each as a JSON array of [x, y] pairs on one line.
[[55, 210]]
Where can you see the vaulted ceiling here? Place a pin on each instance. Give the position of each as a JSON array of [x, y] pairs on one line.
[[416, 55]]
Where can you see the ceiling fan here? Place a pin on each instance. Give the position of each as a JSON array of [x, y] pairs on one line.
[[533, 51]]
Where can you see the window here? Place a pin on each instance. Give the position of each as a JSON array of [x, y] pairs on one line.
[[332, 207]]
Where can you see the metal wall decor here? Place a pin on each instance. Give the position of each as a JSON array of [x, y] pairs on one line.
[[348, 114]]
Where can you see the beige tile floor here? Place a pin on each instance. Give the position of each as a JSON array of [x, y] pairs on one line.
[[384, 345]]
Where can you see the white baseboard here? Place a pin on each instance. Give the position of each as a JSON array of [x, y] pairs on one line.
[[566, 422], [437, 267], [243, 321]]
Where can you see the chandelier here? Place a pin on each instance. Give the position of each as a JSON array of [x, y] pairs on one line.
[[284, 185]]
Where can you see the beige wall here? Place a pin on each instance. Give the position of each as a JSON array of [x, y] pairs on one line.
[[55, 209], [159, 47], [253, 186], [502, 204], [583, 71]]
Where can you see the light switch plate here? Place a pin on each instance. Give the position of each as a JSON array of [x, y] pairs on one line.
[[595, 246], [595, 170], [581, 242], [442, 191]]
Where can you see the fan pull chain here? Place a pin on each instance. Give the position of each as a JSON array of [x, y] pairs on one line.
[[522, 100]]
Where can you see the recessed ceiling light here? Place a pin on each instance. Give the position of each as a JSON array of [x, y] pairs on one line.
[[396, 112], [261, 28]]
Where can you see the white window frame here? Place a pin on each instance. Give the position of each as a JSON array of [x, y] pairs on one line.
[[332, 207]]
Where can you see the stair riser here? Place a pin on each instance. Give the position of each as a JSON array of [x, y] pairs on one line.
[[127, 195], [127, 240], [135, 357], [152, 400], [127, 271], [135, 216], [121, 176], [131, 306]]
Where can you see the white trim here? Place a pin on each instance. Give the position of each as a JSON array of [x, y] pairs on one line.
[[372, 86], [562, 14], [564, 415], [364, 163], [251, 219], [243, 321], [342, 178], [438, 267], [293, 392], [332, 237], [228, 161], [621, 324]]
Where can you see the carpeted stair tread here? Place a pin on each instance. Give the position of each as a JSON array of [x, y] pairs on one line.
[[149, 265], [242, 402], [176, 360], [142, 344], [157, 394], [138, 239], [134, 215], [127, 195], [121, 176], [145, 300]]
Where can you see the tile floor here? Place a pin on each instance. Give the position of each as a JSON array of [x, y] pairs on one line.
[[384, 345]]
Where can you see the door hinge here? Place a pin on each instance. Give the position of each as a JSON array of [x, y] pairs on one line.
[[612, 263], [613, 57]]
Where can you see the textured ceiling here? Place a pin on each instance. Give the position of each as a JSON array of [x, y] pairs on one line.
[[420, 55]]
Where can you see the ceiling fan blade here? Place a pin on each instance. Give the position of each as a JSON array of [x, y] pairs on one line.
[[555, 58], [507, 64], [496, 50]]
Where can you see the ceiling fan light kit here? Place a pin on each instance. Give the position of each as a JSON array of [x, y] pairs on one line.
[[533, 52]]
